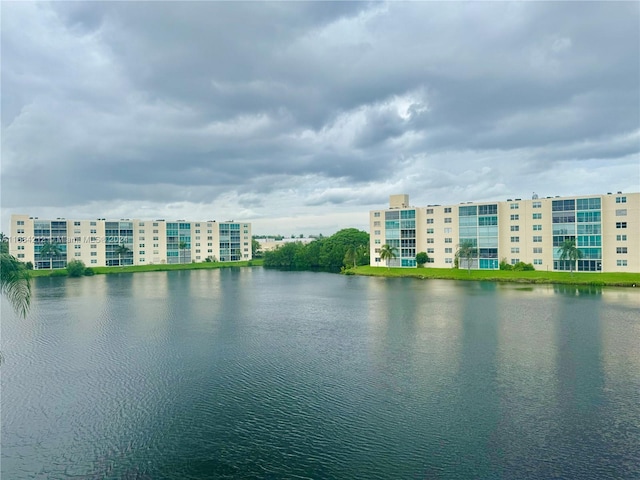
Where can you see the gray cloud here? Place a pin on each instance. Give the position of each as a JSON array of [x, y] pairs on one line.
[[308, 109]]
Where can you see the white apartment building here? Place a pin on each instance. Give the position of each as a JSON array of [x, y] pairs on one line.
[[606, 229], [104, 242]]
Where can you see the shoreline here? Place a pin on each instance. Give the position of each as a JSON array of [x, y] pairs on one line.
[[538, 277], [62, 272]]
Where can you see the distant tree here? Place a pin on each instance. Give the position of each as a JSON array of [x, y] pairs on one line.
[[76, 268], [122, 250], [350, 258], [388, 253], [422, 258], [182, 246], [467, 251], [4, 243], [363, 254], [15, 283], [569, 251], [256, 249], [50, 250]]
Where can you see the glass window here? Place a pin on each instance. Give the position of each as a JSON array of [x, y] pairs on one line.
[[537, 239], [514, 206], [621, 224], [537, 261], [447, 210], [376, 214], [537, 227], [537, 216], [515, 228], [621, 199], [515, 249], [515, 216], [622, 212], [537, 205], [621, 249], [515, 239], [429, 211], [448, 240], [447, 220]]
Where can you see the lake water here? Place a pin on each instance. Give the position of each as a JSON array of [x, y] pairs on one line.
[[251, 373]]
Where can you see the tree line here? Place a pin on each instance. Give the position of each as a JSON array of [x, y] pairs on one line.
[[345, 249]]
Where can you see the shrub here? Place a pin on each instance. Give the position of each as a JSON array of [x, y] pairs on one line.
[[504, 265], [89, 271], [75, 268], [523, 267], [28, 266], [422, 258]]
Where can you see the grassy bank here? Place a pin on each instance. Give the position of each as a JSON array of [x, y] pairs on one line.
[[537, 276], [151, 268]]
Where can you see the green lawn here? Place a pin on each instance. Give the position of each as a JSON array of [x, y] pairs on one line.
[[537, 276], [151, 268]]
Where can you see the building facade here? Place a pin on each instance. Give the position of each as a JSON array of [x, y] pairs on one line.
[[606, 229], [108, 243]]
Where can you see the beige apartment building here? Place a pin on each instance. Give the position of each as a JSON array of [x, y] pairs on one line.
[[104, 242], [606, 229]]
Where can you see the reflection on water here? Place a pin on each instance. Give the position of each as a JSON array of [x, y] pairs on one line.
[[250, 373]]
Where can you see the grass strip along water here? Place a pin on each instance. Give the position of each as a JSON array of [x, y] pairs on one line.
[[536, 276]]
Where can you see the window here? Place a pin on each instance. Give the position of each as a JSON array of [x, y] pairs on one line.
[[94, 245], [448, 260], [377, 232], [76, 224], [429, 240], [77, 254], [198, 244], [94, 254], [621, 238], [621, 199], [94, 261], [77, 247], [21, 255], [209, 231], [155, 231], [376, 214], [430, 250], [140, 231], [142, 239], [621, 263], [76, 231], [537, 249], [515, 249], [448, 250], [376, 223], [515, 239], [448, 240], [93, 224], [622, 212], [377, 241], [621, 224], [537, 261], [141, 224], [377, 250], [141, 252], [537, 216], [537, 205], [141, 245], [514, 206], [155, 252], [515, 228], [429, 220], [429, 211], [93, 230], [430, 230], [537, 239], [515, 217], [621, 249], [447, 220], [447, 210], [198, 231], [155, 238], [537, 228], [142, 260], [155, 224], [155, 245], [514, 261], [20, 222], [447, 230]]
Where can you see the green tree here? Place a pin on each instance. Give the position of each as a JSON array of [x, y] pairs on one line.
[[256, 249], [350, 258], [15, 283], [569, 251], [75, 268], [4, 243], [182, 246], [122, 250], [467, 251], [422, 258], [50, 250], [388, 253]]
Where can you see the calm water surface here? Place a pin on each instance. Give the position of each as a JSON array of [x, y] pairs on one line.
[[251, 373]]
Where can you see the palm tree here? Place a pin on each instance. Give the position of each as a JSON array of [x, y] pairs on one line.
[[388, 253], [182, 246], [15, 283], [4, 245], [122, 250], [467, 250], [50, 250], [569, 251], [350, 257]]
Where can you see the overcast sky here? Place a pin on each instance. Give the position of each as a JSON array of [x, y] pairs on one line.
[[302, 117]]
